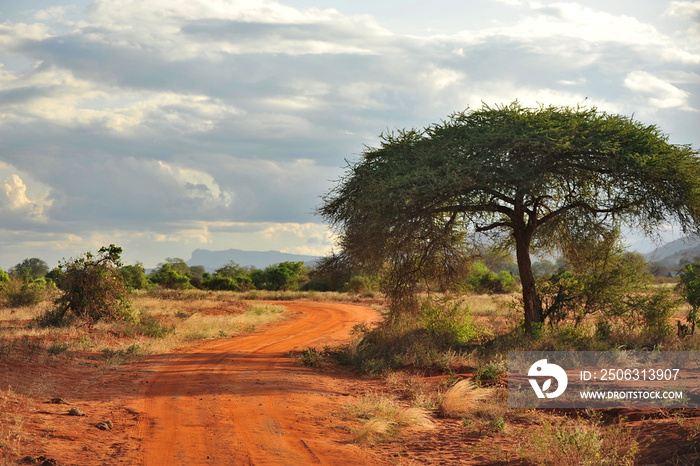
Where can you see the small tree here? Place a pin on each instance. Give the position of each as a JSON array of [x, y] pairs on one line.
[[29, 269], [92, 287], [172, 274], [135, 276], [690, 290]]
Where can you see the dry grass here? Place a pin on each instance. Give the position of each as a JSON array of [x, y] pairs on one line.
[[12, 434], [164, 324], [464, 398], [569, 442], [373, 429], [383, 418], [496, 312]]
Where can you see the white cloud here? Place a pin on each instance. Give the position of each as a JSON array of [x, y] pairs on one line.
[[57, 96], [660, 93], [16, 193], [52, 13], [577, 32], [13, 35], [197, 184], [688, 11], [15, 202], [186, 29]]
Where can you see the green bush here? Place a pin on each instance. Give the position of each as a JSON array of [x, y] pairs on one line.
[[220, 283], [149, 326], [135, 276], [92, 289], [362, 284], [481, 279], [448, 322], [29, 270], [689, 288], [653, 310], [18, 293], [171, 279], [443, 326]]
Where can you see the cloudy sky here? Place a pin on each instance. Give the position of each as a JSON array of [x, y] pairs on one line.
[[168, 125]]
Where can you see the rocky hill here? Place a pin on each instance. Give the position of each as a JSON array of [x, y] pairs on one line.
[[671, 254], [212, 260]]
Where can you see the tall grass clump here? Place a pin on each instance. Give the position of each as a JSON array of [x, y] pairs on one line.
[[463, 398], [383, 418]]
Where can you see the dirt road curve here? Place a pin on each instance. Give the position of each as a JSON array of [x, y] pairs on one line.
[[245, 401]]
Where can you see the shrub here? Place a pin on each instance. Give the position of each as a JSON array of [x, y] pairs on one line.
[[448, 322], [481, 279], [653, 310], [220, 283], [18, 293], [135, 276], [311, 357], [689, 287], [171, 279], [362, 284], [575, 442], [92, 289], [442, 326]]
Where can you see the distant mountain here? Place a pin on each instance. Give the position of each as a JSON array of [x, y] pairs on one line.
[[212, 260], [672, 253]]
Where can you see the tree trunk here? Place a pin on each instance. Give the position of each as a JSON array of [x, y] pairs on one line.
[[531, 302]]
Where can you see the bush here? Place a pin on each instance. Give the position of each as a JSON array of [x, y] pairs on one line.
[[18, 293], [448, 322], [281, 277], [422, 340], [362, 284], [92, 289], [220, 283], [481, 279], [29, 270], [171, 278], [653, 310], [135, 276], [689, 288]]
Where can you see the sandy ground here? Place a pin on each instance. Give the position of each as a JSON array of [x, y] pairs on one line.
[[243, 400]]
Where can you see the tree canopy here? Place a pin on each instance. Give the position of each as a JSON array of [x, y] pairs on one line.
[[524, 175], [29, 269]]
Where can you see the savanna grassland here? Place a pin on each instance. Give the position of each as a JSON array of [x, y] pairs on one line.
[[430, 390]]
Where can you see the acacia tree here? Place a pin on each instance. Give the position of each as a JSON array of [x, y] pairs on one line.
[[521, 174]]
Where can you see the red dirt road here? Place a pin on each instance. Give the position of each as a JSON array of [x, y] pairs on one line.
[[245, 401]]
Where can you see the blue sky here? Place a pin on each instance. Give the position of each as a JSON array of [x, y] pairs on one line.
[[166, 125]]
